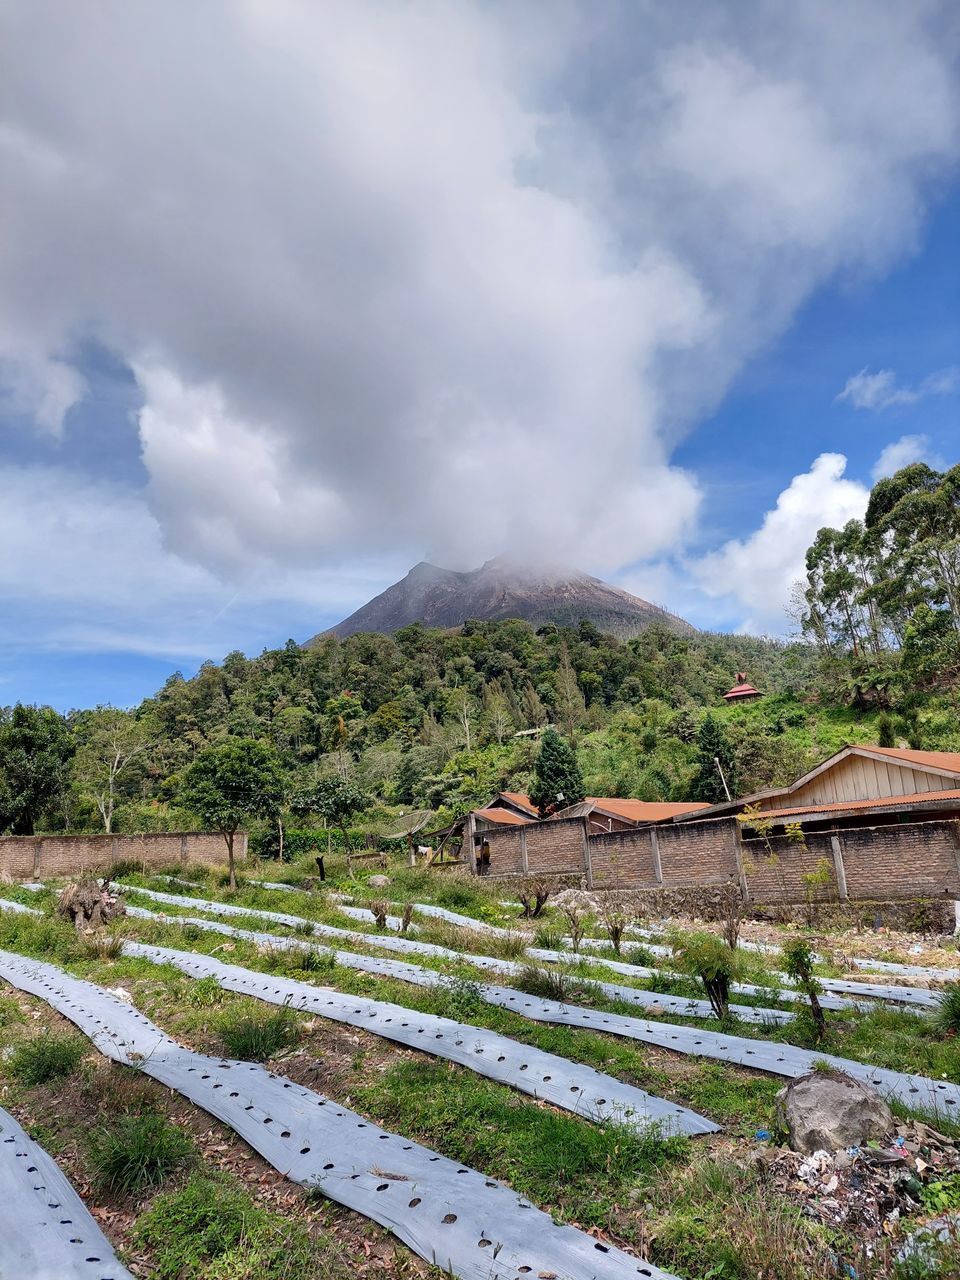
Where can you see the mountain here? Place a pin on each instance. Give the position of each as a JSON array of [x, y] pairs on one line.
[[502, 589]]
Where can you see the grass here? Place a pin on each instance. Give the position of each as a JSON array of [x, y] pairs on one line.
[[255, 1037], [136, 1152], [47, 1057], [555, 984], [578, 1168], [212, 1229], [947, 1015]]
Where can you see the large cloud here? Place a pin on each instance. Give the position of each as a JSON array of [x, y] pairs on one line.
[[442, 278]]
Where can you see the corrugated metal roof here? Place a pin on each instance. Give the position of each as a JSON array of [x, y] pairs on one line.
[[503, 817], [881, 802], [643, 810], [742, 691], [520, 800], [948, 760]]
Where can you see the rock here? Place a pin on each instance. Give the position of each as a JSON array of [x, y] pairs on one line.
[[830, 1111], [378, 882]]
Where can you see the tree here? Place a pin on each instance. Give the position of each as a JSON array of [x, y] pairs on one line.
[[714, 754], [557, 780], [705, 956], [112, 740], [230, 783], [336, 800], [35, 746], [797, 960]]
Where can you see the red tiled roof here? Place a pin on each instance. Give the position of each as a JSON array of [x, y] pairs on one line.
[[742, 691], [502, 816], [880, 802], [643, 810]]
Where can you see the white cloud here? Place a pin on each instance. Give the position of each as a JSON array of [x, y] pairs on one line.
[[84, 568], [880, 390], [40, 387], [900, 453], [759, 572], [443, 279]]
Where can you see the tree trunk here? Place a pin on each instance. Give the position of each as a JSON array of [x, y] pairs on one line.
[[228, 836]]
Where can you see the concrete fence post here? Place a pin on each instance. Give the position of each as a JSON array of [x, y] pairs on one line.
[[655, 855], [37, 858], [524, 859], [183, 850], [838, 868], [738, 858], [585, 839]]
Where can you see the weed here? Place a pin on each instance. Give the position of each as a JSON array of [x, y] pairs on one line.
[[314, 961], [137, 1151], [460, 999], [204, 992], [9, 1012], [103, 946], [257, 1037], [947, 1014], [48, 1057], [555, 984], [550, 937], [942, 1195], [211, 1229]]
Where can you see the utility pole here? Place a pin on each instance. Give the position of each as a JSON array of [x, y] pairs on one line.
[[716, 761]]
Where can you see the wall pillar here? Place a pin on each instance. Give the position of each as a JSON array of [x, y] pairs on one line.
[[655, 856], [525, 861], [586, 852], [838, 868], [738, 856]]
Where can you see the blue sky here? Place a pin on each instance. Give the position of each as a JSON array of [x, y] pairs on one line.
[[655, 296]]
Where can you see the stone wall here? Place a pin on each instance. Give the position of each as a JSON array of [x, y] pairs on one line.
[[909, 860], [48, 857]]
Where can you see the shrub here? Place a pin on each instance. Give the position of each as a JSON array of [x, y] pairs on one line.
[[549, 936], [797, 959], [257, 1037], [48, 1057], [314, 961], [705, 956], [947, 1013], [104, 946], [459, 998], [137, 1151]]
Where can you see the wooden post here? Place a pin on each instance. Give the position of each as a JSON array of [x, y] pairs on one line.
[[838, 868], [655, 855]]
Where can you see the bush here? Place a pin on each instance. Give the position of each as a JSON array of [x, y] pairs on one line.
[[49, 1057], [947, 1013], [255, 1038], [705, 956], [137, 1151]]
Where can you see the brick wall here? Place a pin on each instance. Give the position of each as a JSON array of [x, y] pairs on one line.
[[552, 848], [877, 863], [47, 857]]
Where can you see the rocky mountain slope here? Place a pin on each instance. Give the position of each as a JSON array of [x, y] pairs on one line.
[[502, 589]]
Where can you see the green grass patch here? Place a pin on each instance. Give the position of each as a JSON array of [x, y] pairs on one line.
[[255, 1037], [47, 1057], [577, 1167], [136, 1152], [211, 1229]]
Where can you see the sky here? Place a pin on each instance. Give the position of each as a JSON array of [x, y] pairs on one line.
[[293, 296]]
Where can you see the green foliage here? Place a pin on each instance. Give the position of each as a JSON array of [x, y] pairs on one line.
[[35, 747], [797, 959], [232, 782], [211, 1229], [557, 781], [48, 1057], [947, 1013], [715, 764], [205, 992], [707, 957], [135, 1152], [257, 1037]]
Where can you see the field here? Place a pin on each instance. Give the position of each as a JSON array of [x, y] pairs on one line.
[[180, 1194]]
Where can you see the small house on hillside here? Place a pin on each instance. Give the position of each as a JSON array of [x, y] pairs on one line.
[[613, 813], [880, 784], [742, 691]]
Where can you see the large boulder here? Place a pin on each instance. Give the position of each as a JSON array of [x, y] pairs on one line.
[[830, 1111]]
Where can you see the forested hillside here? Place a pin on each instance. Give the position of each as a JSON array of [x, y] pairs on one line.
[[430, 718]]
